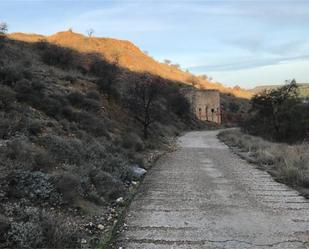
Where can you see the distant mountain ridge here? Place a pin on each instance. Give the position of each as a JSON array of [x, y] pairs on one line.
[[127, 55], [303, 89]]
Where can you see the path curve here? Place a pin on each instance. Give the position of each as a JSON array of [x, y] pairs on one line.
[[204, 196]]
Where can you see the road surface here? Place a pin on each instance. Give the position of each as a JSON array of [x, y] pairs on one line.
[[204, 196]]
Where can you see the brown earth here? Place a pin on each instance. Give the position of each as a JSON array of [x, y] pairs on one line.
[[127, 55]]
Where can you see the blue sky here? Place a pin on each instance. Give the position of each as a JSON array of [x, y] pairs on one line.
[[242, 42]]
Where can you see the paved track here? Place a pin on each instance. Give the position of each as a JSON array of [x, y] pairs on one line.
[[204, 196]]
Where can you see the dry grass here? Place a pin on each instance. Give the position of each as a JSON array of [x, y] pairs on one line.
[[288, 164], [128, 56]]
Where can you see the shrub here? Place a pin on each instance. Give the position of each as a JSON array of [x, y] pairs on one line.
[[91, 123], [11, 73], [289, 164], [43, 230], [108, 87], [59, 232], [4, 228], [179, 104], [23, 152], [34, 127], [36, 186], [59, 56], [76, 98], [93, 95], [7, 98], [132, 141], [68, 184], [63, 150], [70, 78], [106, 185], [91, 105]]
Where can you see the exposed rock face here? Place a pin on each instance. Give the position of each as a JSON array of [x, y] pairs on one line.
[[205, 104]]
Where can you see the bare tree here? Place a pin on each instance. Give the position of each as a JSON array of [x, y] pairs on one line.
[[90, 32], [142, 101], [3, 31], [3, 28]]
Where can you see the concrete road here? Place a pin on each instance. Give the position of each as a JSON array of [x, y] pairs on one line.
[[204, 196]]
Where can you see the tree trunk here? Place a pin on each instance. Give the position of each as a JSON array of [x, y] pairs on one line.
[[146, 132]]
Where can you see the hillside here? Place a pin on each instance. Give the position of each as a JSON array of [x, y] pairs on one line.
[[126, 55], [72, 149]]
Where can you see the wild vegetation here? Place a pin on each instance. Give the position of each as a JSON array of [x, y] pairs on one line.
[[288, 164], [71, 139], [279, 115], [128, 56]]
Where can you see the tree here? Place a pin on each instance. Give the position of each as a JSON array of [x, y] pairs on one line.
[[3, 31], [194, 81], [166, 61], [90, 32], [273, 112], [177, 66], [204, 77], [142, 101]]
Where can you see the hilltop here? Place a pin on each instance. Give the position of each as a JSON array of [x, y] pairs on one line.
[[127, 55]]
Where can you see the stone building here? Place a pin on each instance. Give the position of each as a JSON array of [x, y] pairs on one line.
[[205, 104]]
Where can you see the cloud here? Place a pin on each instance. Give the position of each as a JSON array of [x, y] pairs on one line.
[[246, 64]]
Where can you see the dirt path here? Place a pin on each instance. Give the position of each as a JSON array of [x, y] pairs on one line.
[[204, 196]]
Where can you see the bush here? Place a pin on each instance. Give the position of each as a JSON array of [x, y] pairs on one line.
[[279, 115], [91, 123], [59, 232], [106, 185], [58, 56], [76, 99], [7, 98], [93, 95], [91, 105], [63, 150], [68, 184], [43, 230], [107, 86], [132, 141], [23, 153], [11, 73], [36, 186], [289, 164]]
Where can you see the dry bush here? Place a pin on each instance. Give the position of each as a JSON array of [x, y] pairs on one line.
[[68, 184], [106, 185], [133, 141], [288, 163]]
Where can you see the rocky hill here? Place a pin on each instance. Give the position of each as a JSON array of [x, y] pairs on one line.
[[72, 144], [127, 55]]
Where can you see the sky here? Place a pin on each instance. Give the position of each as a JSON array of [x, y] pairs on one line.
[[244, 42]]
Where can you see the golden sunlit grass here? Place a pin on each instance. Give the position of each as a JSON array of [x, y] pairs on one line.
[[128, 56]]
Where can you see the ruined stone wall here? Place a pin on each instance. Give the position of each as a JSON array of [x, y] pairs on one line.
[[205, 104]]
